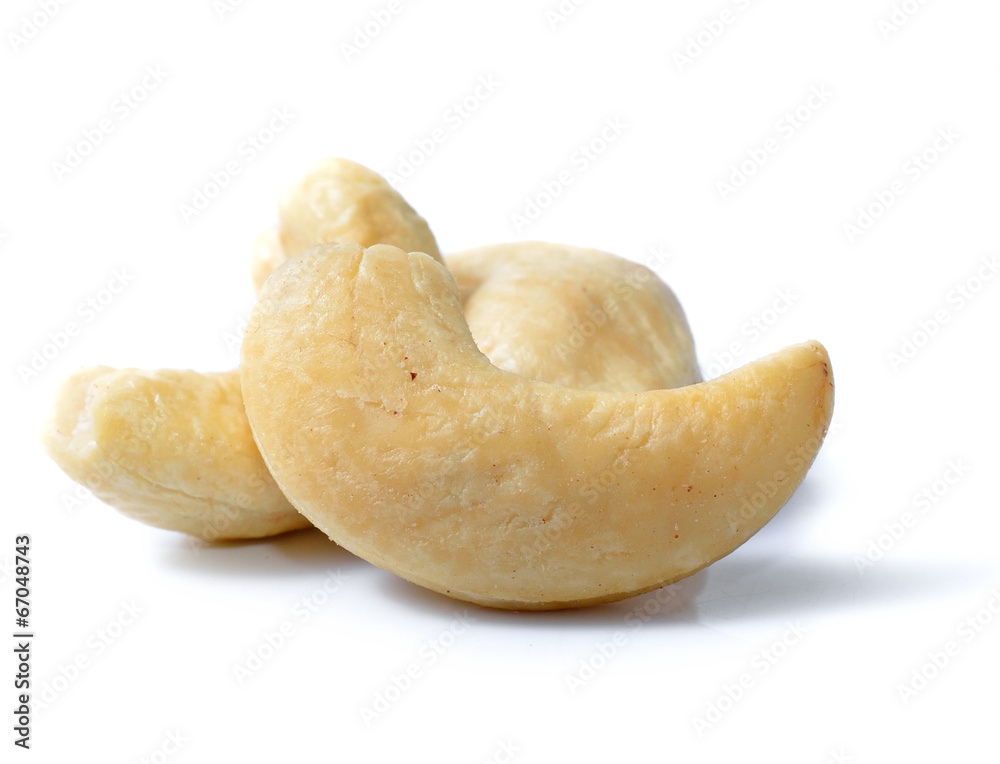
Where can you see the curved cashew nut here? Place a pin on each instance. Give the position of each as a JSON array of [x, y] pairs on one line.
[[339, 201], [385, 425], [576, 317], [172, 449]]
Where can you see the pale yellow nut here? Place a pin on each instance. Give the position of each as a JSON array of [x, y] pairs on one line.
[[385, 425], [172, 449], [340, 201], [576, 317]]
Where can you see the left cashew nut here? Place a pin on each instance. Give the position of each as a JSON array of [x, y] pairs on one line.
[[172, 449]]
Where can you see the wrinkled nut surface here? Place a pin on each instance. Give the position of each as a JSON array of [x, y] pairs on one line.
[[340, 201], [384, 424], [171, 449]]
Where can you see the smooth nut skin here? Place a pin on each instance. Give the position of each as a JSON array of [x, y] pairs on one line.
[[340, 201], [385, 425], [172, 449], [575, 317]]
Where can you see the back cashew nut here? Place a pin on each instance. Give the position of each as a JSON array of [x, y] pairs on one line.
[[339, 201]]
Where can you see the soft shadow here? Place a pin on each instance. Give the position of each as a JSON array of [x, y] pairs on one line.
[[797, 510], [746, 586], [293, 553], [738, 587], [670, 603]]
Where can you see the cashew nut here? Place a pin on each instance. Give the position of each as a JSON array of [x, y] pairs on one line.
[[340, 201], [384, 424], [576, 317], [171, 449]]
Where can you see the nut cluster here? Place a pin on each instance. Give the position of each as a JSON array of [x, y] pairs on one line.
[[519, 425]]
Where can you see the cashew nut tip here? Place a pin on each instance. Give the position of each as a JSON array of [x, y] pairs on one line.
[[384, 424], [340, 201]]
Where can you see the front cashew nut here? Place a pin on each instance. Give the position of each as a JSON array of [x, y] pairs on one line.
[[384, 424]]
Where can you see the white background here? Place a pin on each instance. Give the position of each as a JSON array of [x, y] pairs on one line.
[[834, 694]]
